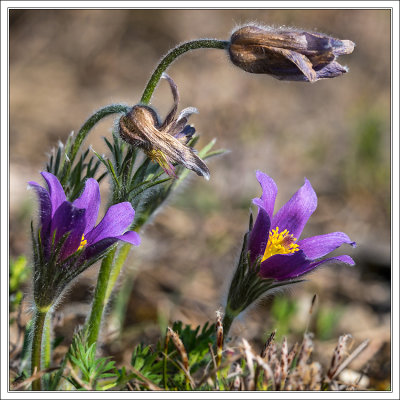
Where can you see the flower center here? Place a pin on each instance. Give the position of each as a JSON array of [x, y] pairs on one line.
[[159, 157], [280, 243], [83, 243]]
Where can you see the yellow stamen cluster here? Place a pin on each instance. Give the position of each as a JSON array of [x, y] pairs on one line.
[[159, 157], [280, 243], [83, 243]]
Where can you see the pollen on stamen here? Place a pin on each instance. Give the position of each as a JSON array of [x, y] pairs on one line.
[[280, 243], [83, 243]]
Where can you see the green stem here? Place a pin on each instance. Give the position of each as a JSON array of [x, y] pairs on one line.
[[175, 53], [85, 129], [229, 317], [108, 275], [99, 303], [38, 324], [47, 341], [118, 263]]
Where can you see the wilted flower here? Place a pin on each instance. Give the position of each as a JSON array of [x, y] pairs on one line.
[[68, 240], [288, 54], [274, 239], [163, 142]]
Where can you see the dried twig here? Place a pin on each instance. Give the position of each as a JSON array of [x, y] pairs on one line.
[[32, 378], [351, 357]]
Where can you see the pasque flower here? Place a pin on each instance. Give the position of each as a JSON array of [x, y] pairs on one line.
[[272, 255], [163, 142], [274, 239], [68, 238], [288, 54]]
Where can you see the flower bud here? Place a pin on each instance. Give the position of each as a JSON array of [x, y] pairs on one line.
[[288, 54]]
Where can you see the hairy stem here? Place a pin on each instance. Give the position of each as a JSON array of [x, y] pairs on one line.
[[116, 269], [47, 341], [99, 300], [38, 325], [174, 54], [227, 321], [84, 131]]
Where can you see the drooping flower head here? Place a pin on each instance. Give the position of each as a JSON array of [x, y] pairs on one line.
[[276, 238], [68, 239], [163, 142], [288, 54]]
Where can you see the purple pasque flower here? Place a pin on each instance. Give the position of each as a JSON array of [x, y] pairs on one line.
[[275, 238], [74, 223]]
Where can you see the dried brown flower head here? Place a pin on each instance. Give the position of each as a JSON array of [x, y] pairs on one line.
[[165, 142], [288, 54]]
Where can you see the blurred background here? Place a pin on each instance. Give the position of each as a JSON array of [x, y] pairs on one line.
[[64, 64]]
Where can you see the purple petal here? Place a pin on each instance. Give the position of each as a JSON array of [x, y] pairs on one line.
[[284, 266], [97, 248], [56, 191], [70, 219], [117, 220], [44, 206], [331, 70], [319, 246], [90, 201], [175, 94], [342, 259], [269, 192], [259, 235], [130, 237], [295, 213]]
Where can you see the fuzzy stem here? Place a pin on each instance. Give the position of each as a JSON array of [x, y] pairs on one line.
[[229, 317], [47, 341], [84, 131], [38, 324], [116, 269], [172, 55], [99, 300]]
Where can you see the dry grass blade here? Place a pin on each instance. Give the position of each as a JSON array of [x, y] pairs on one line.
[[215, 370], [33, 378], [187, 374], [212, 356], [147, 382], [250, 384], [268, 343], [180, 347], [351, 357], [268, 374], [338, 355], [310, 311], [220, 337], [78, 379], [237, 382], [284, 363]]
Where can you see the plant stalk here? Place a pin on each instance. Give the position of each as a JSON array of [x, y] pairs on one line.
[[99, 300], [116, 269], [227, 321], [84, 131], [38, 325], [47, 341], [172, 55]]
